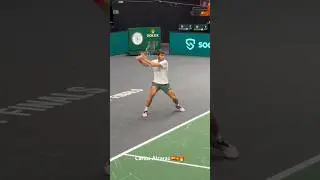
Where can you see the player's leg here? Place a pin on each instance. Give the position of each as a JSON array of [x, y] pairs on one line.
[[219, 143], [166, 88], [152, 92]]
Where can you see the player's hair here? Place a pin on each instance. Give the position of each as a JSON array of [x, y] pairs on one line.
[[159, 52]]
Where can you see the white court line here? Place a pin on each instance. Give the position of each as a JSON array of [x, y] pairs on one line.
[[158, 136], [296, 168], [172, 162]]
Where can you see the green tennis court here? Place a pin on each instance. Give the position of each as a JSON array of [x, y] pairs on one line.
[[151, 160]]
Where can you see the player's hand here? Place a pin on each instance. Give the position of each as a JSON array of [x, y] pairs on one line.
[[138, 58], [144, 55]]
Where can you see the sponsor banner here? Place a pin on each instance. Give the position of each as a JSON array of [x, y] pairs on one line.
[[190, 44], [144, 38]]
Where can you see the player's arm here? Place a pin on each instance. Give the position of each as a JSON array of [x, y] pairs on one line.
[[139, 59], [150, 63], [144, 63]]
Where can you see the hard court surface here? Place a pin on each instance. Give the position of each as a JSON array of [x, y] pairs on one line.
[[134, 138]]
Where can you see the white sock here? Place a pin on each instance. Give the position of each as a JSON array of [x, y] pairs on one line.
[[146, 109]]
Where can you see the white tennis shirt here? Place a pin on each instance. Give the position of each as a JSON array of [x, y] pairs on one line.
[[160, 74]]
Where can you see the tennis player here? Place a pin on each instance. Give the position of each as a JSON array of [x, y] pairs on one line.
[[160, 80]]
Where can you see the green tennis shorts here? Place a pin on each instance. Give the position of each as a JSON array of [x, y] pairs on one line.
[[164, 87]]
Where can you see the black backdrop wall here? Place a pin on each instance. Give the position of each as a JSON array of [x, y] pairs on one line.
[[166, 16]]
